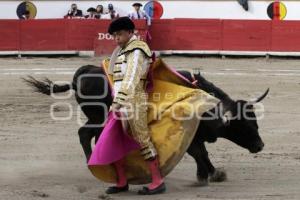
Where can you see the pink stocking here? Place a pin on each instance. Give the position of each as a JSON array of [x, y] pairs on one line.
[[122, 180], [157, 180]]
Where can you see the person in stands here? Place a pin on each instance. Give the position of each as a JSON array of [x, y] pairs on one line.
[[92, 14], [112, 12], [99, 11], [74, 11], [138, 13]]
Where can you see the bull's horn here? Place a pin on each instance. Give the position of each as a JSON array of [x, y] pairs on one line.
[[259, 99]]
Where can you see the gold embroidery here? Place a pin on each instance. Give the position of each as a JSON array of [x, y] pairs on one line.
[[132, 95], [137, 44]]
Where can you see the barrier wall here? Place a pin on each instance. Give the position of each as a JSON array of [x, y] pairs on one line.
[[9, 35], [167, 34]]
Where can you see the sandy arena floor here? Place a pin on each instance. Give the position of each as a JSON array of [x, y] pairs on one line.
[[42, 158]]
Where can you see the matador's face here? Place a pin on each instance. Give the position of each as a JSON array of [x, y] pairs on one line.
[[122, 37]]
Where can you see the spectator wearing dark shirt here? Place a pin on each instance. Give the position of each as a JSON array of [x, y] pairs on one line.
[[92, 14], [74, 11], [112, 12]]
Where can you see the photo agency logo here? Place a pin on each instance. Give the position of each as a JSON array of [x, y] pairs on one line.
[[93, 100]]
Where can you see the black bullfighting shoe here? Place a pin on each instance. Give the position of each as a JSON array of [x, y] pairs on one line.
[[115, 189], [159, 190]]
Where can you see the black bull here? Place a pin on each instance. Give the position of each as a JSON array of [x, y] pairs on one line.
[[242, 131]]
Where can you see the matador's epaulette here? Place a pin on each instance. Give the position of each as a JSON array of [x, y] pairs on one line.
[[137, 44]]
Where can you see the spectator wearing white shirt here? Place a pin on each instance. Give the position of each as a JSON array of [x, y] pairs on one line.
[[99, 11], [139, 14]]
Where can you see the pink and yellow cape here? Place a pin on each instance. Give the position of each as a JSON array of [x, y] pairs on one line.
[[173, 121]]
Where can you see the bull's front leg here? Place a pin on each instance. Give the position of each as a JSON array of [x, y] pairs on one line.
[[215, 175], [85, 136], [202, 171]]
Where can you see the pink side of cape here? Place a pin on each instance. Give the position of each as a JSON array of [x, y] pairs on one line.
[[113, 144]]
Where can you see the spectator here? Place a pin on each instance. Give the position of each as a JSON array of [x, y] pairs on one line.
[[92, 14], [112, 12], [139, 14], [74, 11], [99, 11]]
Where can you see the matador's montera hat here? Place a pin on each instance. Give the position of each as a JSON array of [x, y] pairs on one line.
[[122, 23]]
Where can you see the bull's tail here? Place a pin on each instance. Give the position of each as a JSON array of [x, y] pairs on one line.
[[46, 86]]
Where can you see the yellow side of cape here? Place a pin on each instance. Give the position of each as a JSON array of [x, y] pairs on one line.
[[175, 110]]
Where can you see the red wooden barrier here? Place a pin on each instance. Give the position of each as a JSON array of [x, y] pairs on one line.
[[247, 35], [285, 36], [9, 35], [195, 34], [167, 34], [43, 35], [161, 33], [82, 33]]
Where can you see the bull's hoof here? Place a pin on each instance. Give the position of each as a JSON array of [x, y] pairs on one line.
[[202, 182], [218, 176]]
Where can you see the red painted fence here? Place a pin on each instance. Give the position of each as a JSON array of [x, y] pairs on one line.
[[167, 34]]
